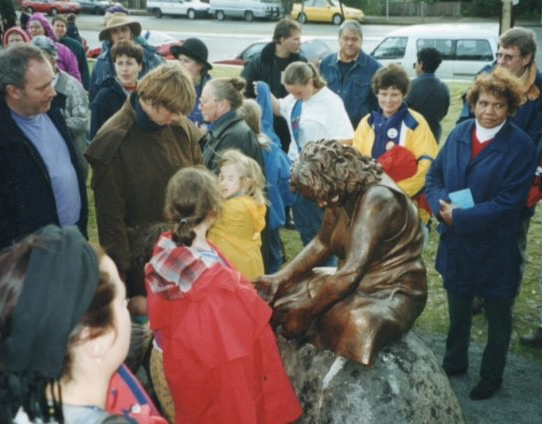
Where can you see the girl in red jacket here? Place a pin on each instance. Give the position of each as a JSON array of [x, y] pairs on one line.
[[220, 356]]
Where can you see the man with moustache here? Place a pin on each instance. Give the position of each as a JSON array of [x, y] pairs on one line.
[[349, 73], [41, 181]]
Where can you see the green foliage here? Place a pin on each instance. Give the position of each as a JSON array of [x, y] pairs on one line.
[[369, 7]]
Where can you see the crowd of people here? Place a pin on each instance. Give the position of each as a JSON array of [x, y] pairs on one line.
[[190, 179]]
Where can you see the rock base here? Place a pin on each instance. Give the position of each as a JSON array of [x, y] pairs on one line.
[[406, 385]]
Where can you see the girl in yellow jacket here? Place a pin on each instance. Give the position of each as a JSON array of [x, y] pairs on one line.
[[396, 125], [236, 232]]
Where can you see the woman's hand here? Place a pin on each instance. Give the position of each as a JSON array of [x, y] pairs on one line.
[[446, 212], [267, 287]]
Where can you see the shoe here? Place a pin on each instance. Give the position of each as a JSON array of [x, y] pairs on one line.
[[485, 389], [533, 339], [450, 372], [289, 224]]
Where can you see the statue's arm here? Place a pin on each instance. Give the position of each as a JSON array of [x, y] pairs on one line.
[[375, 219], [310, 256]]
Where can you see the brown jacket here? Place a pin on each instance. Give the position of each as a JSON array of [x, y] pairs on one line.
[[131, 168]]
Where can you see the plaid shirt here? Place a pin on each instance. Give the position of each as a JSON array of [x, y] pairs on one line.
[[173, 269]]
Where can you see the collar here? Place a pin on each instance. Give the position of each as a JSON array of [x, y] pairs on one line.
[[360, 60], [529, 89], [485, 134], [427, 75], [142, 119]]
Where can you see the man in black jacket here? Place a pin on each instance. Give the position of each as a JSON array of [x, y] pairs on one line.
[[40, 177], [269, 65]]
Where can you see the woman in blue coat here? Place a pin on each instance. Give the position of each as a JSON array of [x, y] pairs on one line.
[[477, 188]]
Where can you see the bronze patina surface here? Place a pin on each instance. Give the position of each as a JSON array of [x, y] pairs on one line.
[[379, 287]]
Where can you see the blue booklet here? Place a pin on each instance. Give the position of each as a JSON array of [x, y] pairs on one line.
[[462, 198]]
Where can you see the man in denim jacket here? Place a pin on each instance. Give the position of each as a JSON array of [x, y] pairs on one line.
[[349, 73]]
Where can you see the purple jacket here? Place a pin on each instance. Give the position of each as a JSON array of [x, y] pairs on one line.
[[66, 60]]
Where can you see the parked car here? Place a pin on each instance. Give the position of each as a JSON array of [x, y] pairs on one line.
[[51, 7], [314, 49], [465, 48], [190, 8], [98, 7], [157, 39], [246, 9], [325, 11]]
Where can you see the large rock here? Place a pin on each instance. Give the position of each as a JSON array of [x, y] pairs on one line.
[[406, 385]]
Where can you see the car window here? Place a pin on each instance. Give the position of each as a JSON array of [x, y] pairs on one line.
[[473, 50], [319, 3], [391, 48], [444, 46], [251, 51], [315, 48]]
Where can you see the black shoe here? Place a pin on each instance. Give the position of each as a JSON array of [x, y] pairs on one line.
[[289, 224], [451, 372], [477, 305], [485, 389], [533, 339]]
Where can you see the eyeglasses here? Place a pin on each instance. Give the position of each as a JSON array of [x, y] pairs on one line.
[[507, 57]]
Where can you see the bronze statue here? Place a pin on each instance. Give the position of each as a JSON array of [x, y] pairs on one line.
[[379, 287]]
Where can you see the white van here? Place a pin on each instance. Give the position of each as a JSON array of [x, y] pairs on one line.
[[247, 9], [465, 48], [191, 8]]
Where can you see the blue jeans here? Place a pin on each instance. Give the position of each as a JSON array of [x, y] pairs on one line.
[[275, 251], [308, 219]]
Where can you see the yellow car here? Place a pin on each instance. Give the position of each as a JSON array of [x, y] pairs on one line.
[[325, 11]]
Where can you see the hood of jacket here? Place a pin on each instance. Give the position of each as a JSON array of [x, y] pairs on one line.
[[44, 23]]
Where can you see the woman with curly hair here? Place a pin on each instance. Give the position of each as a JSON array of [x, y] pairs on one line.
[[477, 188], [379, 288]]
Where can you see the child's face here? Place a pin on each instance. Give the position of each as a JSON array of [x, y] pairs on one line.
[[229, 180]]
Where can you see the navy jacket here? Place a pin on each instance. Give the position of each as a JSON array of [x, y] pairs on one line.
[[107, 102], [528, 117], [355, 88], [479, 253], [27, 202]]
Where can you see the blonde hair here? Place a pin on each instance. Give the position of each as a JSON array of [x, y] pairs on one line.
[[168, 86], [252, 112], [191, 195], [251, 177], [300, 73]]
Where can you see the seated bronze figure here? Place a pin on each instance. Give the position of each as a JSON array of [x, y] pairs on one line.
[[379, 287]]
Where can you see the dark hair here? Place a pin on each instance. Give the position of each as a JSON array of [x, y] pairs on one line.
[[430, 59], [99, 317], [500, 83], [331, 169], [522, 38], [14, 62], [191, 195], [284, 29], [71, 18], [229, 89], [127, 48], [391, 76], [60, 18]]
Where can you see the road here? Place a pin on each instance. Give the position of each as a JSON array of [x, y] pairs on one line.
[[225, 39]]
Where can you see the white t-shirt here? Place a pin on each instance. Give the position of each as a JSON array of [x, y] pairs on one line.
[[323, 116]]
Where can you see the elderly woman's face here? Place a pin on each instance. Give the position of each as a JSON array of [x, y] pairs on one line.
[[390, 100], [15, 38], [490, 110], [193, 67]]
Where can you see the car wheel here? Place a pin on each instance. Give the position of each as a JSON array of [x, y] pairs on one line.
[[220, 15], [53, 12], [302, 18], [30, 10], [97, 11], [191, 14], [249, 16], [337, 19], [158, 13]]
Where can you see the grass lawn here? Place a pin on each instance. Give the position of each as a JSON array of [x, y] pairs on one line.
[[435, 316]]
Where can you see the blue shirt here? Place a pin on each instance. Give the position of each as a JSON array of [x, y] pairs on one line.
[[54, 152]]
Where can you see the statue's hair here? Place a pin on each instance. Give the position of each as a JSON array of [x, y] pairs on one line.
[[331, 169]]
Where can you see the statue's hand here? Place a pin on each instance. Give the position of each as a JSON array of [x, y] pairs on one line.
[[267, 287], [297, 322]]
